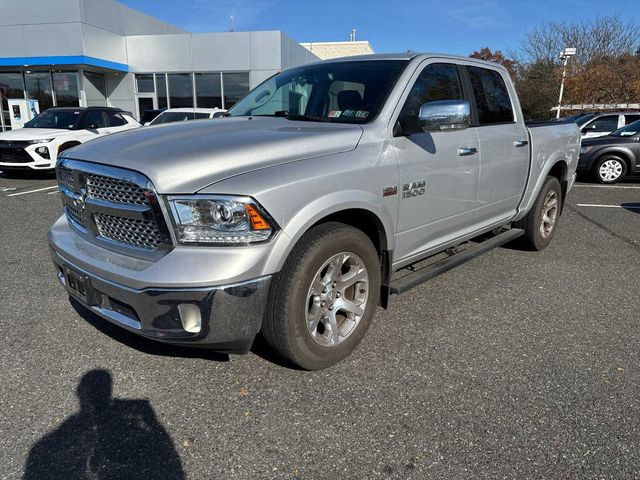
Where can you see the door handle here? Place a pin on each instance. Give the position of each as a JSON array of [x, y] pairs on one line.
[[520, 143], [463, 151]]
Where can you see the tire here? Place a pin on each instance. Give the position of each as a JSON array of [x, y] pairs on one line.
[[609, 169], [538, 231], [312, 320]]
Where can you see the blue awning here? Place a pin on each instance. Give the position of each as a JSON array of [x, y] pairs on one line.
[[62, 60]]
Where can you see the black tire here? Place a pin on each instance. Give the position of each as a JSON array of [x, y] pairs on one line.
[[285, 323], [619, 167], [534, 238]]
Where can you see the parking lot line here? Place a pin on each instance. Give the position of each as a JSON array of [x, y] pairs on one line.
[[607, 186], [32, 191], [632, 207]]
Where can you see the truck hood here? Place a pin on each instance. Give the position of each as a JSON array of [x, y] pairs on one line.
[[189, 156], [22, 134]]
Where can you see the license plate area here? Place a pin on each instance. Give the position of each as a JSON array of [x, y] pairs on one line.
[[79, 286]]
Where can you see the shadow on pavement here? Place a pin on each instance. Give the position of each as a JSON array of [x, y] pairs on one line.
[[27, 174], [632, 207], [108, 438], [142, 344]]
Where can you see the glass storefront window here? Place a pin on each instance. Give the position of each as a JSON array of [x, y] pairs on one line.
[[180, 90], [208, 90], [39, 88], [65, 85], [144, 83], [161, 89], [11, 87], [236, 86]]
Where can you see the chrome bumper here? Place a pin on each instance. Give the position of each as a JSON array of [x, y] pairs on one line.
[[224, 318]]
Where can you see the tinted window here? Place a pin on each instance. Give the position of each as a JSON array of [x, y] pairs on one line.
[[161, 84], [39, 88], [114, 119], [236, 86], [180, 90], [53, 118], [357, 88], [607, 123], [438, 81], [94, 119], [492, 97], [628, 131], [144, 83], [208, 90], [630, 119], [65, 85]]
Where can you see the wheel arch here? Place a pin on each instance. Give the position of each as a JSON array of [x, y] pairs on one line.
[[621, 153], [67, 145]]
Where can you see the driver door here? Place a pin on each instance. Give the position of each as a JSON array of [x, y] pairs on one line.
[[439, 171]]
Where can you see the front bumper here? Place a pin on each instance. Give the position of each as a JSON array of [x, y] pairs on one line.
[[229, 316], [26, 158]]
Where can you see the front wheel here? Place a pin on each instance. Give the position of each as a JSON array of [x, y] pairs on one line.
[[324, 298], [540, 223], [610, 169]]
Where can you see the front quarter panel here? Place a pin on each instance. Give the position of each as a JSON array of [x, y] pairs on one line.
[[301, 194]]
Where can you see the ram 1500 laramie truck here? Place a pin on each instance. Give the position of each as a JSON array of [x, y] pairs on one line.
[[309, 205]]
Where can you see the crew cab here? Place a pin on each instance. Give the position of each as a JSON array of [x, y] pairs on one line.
[[36, 146], [309, 204]]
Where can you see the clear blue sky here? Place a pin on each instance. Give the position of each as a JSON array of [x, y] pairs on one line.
[[450, 26]]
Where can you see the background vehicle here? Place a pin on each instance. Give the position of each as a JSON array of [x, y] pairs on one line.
[[184, 114], [149, 115], [609, 159], [304, 209], [606, 123], [37, 145]]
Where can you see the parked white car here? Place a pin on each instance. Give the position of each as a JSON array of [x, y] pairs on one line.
[[605, 123], [36, 146], [185, 114]]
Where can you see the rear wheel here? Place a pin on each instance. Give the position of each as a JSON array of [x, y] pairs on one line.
[[322, 302], [540, 223], [610, 169]]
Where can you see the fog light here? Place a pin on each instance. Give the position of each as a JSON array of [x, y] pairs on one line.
[[43, 152], [190, 317]]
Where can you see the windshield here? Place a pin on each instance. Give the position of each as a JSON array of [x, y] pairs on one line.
[[59, 119], [346, 92], [627, 131], [170, 117]]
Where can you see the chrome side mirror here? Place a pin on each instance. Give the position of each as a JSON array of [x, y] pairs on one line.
[[445, 115]]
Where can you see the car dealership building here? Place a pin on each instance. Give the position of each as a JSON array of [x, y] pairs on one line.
[[100, 52]]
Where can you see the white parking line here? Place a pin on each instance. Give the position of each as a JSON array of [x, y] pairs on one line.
[[606, 186], [31, 191], [632, 207], [53, 193]]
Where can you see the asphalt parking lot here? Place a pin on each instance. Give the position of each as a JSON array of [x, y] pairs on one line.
[[515, 365]]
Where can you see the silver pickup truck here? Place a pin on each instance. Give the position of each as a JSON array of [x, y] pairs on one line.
[[327, 189]]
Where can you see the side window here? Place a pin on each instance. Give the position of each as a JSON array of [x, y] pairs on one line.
[[606, 124], [492, 96], [114, 119], [630, 119], [438, 81], [94, 119]]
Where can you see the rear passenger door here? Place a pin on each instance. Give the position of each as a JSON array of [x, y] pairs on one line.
[[504, 149]]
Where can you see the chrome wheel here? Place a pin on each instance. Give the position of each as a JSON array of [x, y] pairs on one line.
[[549, 214], [610, 170], [337, 299]]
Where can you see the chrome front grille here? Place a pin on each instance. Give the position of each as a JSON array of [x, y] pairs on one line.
[[114, 190], [141, 233], [113, 207]]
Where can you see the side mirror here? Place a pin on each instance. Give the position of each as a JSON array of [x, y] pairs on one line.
[[445, 115]]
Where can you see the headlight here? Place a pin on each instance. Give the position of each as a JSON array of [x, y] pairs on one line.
[[220, 220], [42, 140], [584, 150]]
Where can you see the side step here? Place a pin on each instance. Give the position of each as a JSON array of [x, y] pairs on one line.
[[420, 276]]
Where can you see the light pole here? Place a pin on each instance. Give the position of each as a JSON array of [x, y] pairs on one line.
[[564, 56]]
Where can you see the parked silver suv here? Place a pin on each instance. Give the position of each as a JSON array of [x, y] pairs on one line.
[[290, 216]]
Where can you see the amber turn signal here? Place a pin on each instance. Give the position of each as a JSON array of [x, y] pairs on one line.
[[257, 221]]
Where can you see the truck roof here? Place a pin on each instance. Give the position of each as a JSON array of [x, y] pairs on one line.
[[409, 56]]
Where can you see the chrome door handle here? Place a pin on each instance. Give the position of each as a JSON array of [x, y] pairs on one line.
[[520, 143], [463, 151]]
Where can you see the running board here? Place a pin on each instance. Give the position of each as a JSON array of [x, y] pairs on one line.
[[414, 279]]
